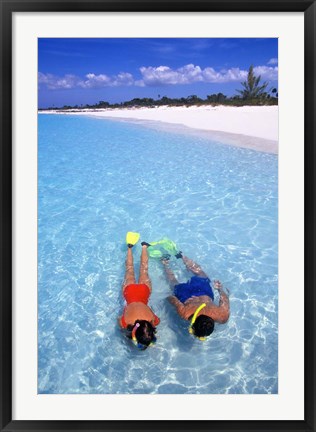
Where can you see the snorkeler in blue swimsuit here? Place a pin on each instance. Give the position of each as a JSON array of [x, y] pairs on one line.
[[194, 299]]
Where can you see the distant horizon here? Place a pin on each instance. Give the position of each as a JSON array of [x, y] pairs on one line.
[[86, 71]]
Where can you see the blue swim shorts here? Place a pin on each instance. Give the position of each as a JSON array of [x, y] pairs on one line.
[[195, 287]]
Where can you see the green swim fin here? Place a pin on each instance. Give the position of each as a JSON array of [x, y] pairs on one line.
[[132, 238], [166, 244], [170, 246], [154, 253]]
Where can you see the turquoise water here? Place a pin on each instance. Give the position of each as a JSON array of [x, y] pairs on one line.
[[98, 179]]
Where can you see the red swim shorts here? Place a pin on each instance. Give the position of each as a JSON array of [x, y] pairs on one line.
[[136, 293]]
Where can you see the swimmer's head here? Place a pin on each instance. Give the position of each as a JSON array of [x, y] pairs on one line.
[[203, 326], [143, 334]]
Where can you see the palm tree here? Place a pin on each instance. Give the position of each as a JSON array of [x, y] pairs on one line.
[[252, 88], [275, 92]]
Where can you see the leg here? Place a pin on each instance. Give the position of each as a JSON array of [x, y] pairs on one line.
[[193, 267], [169, 273], [143, 270], [129, 269]]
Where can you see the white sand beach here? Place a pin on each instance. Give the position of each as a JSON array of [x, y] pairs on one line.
[[253, 127]]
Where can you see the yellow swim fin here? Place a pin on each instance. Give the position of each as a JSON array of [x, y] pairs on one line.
[[132, 238]]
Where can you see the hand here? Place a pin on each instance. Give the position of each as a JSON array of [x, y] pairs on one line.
[[172, 299], [218, 285], [165, 259]]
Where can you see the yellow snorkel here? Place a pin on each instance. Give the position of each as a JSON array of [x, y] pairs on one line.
[[194, 318], [134, 339]]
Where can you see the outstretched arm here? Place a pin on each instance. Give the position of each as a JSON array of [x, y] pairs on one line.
[[169, 273], [193, 267], [223, 309]]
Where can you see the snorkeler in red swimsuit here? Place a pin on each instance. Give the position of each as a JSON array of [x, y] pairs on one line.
[[137, 315]]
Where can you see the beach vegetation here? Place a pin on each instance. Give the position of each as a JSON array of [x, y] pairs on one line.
[[216, 98], [274, 91], [252, 88], [194, 99], [213, 100], [103, 104]]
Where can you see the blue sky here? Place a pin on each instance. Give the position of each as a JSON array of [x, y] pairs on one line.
[[81, 71]]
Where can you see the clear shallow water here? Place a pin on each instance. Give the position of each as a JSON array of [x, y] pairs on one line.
[[98, 179]]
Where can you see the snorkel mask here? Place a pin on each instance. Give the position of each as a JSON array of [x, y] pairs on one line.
[[138, 344], [193, 321]]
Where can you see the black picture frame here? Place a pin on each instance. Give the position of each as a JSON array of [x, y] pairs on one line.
[[8, 7]]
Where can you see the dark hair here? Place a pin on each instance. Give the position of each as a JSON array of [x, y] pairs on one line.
[[203, 326], [145, 333]]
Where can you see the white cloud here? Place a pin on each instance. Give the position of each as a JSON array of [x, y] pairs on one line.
[[165, 75], [123, 79], [189, 74], [273, 61], [95, 81], [53, 83], [152, 76], [234, 74], [91, 80], [267, 72]]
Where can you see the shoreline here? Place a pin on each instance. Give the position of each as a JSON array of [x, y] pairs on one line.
[[252, 127]]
